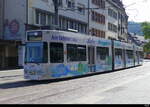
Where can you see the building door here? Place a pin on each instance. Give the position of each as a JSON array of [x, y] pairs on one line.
[[91, 58]]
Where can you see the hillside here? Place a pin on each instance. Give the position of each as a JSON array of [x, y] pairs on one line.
[[134, 27]]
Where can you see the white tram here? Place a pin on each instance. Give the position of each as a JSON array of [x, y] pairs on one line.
[[52, 54]]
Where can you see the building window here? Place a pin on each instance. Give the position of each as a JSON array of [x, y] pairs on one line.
[[37, 17], [47, 19], [81, 9], [119, 16], [112, 13], [99, 3], [71, 25], [70, 4], [99, 18], [43, 18], [60, 3], [98, 33], [112, 27], [50, 20]]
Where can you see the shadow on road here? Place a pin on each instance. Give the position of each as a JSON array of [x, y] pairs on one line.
[[19, 84], [11, 69]]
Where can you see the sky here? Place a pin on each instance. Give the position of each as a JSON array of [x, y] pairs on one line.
[[137, 10]]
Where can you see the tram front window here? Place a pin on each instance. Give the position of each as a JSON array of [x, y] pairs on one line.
[[36, 53]]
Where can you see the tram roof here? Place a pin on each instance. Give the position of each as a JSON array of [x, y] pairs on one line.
[[83, 37], [72, 37]]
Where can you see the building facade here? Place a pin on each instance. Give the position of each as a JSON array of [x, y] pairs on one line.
[[102, 18], [137, 39], [71, 14], [1, 17], [117, 21], [12, 28], [97, 18]]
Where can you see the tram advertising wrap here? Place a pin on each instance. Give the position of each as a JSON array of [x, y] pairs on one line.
[[119, 59], [52, 54]]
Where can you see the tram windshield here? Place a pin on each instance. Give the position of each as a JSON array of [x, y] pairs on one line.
[[36, 53]]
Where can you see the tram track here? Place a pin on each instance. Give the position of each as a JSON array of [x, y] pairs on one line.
[[69, 86], [35, 94]]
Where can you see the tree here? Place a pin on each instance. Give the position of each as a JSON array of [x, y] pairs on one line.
[[146, 31], [147, 47]]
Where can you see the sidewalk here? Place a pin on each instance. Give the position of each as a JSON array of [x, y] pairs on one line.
[[10, 69], [146, 60]]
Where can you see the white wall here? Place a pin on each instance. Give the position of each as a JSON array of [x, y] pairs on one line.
[[15, 20], [112, 21], [48, 6], [94, 24]]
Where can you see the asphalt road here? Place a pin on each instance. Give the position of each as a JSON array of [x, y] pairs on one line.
[[130, 86]]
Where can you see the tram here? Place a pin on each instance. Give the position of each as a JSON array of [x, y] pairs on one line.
[[52, 54]]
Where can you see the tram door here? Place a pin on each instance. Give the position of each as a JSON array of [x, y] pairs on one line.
[[91, 58]]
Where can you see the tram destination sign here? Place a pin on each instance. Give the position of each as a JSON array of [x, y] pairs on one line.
[[34, 36]]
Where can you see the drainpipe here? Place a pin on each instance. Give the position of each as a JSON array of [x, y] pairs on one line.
[[88, 17], [3, 18], [27, 7], [56, 5]]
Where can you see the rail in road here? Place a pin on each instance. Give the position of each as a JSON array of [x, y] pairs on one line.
[[79, 90]]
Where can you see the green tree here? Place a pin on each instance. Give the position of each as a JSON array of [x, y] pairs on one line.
[[146, 31], [147, 47]]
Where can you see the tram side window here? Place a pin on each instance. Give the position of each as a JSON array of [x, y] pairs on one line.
[[118, 53], [76, 53], [141, 54], [81, 53], [56, 53], [102, 53], [130, 54]]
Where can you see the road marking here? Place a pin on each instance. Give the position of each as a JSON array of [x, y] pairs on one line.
[[91, 98]]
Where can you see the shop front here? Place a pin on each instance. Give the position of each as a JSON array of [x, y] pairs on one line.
[[9, 54]]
